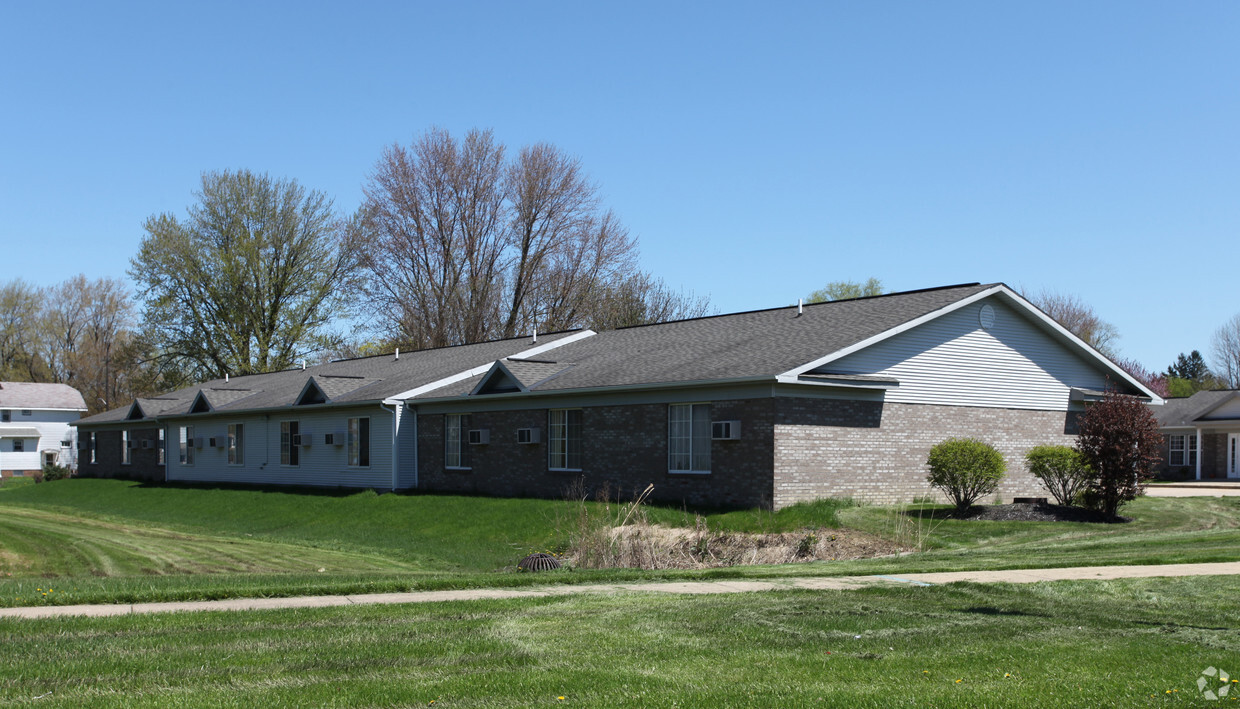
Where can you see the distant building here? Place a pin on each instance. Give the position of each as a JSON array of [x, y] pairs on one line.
[[763, 408], [35, 426], [1201, 435]]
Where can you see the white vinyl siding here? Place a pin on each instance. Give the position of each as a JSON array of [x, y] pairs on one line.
[[564, 439], [1183, 450], [318, 464], [688, 438], [1230, 410], [53, 429], [456, 450], [952, 360]]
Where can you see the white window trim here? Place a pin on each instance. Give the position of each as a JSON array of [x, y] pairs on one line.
[[690, 404], [189, 446], [348, 452], [551, 436], [461, 442], [126, 454], [290, 444], [1187, 450], [236, 445]]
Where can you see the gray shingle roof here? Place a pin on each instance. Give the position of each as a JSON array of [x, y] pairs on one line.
[[762, 343], [350, 381], [1188, 410], [28, 395]]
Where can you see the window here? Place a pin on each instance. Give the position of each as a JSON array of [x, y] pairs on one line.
[[359, 442], [456, 453], [564, 439], [25, 412], [236, 441], [290, 454], [49, 457], [18, 445], [1183, 450], [6, 416], [688, 438], [126, 452], [161, 446], [187, 445], [91, 445]]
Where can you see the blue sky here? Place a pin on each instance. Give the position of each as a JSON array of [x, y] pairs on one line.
[[758, 150]]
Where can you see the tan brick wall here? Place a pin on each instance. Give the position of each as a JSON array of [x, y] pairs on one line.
[[876, 452]]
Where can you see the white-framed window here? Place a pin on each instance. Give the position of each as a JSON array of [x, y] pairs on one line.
[[126, 453], [187, 445], [236, 444], [564, 439], [455, 435], [91, 446], [290, 454], [6, 416], [27, 412], [688, 438], [1183, 450], [161, 446], [19, 445], [359, 442]]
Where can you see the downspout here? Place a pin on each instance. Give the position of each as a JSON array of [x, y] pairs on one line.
[[395, 449]]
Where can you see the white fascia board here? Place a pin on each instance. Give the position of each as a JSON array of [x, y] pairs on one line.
[[1009, 295], [484, 368], [881, 386], [14, 407]]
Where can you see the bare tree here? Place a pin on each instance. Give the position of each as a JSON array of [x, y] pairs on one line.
[[1226, 346], [1078, 318], [19, 326], [466, 245], [642, 299]]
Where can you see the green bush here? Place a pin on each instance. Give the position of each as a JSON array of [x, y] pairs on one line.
[[1061, 469], [965, 469], [53, 472]]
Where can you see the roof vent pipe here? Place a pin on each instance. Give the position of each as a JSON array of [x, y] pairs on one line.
[[225, 377], [303, 364], [800, 306], [536, 337], [397, 353]]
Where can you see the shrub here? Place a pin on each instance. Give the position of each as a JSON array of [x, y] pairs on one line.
[[965, 469], [54, 472], [1119, 439], [1061, 469]]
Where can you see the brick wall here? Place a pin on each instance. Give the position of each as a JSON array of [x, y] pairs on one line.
[[623, 448], [876, 451], [144, 463]]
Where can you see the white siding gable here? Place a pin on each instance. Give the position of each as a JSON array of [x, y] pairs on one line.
[[953, 360], [1229, 410]]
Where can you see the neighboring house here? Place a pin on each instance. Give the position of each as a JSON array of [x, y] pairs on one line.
[[35, 426], [766, 408], [1201, 435]]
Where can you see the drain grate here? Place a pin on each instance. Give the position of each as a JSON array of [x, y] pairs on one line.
[[538, 562]]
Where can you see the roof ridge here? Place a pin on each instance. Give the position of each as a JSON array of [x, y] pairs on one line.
[[807, 305], [461, 344]]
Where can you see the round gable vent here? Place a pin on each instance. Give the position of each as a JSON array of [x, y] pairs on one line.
[[986, 316]]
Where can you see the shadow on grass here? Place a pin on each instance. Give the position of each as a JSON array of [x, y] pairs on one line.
[[1019, 512]]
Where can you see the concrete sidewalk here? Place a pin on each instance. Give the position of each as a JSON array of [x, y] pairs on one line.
[[1080, 573]]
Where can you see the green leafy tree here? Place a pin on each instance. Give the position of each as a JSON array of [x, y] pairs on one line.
[[1189, 375], [1062, 470], [250, 281], [965, 469], [1120, 442], [844, 290]]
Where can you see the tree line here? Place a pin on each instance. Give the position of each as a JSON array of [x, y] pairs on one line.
[[457, 241]]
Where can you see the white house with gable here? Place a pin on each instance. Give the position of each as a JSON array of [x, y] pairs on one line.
[[34, 426]]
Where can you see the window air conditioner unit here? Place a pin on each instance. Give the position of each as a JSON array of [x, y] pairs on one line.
[[146, 443], [306, 438], [333, 439], [528, 435], [295, 439], [479, 436], [725, 430], [198, 441], [131, 444]]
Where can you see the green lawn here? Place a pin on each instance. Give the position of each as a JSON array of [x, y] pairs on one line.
[[98, 541], [1072, 644]]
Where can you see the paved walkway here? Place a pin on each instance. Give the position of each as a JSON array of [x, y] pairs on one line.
[[1096, 573], [1193, 488]]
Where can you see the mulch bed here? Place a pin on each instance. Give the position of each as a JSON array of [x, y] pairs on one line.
[[1036, 512]]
